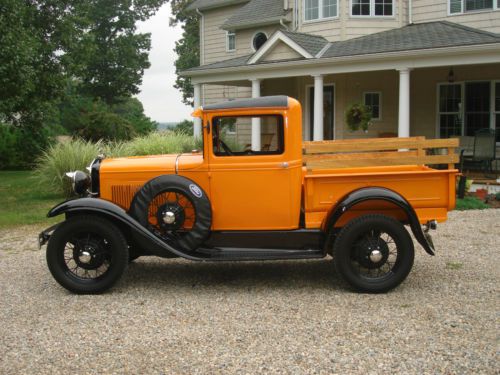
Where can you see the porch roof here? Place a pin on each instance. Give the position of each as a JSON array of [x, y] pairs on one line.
[[211, 4], [415, 37], [256, 12]]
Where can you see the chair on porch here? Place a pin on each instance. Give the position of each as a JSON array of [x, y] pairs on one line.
[[483, 153]]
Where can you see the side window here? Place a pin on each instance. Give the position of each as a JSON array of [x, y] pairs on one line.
[[245, 135]]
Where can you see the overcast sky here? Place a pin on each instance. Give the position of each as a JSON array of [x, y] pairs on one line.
[[162, 102]]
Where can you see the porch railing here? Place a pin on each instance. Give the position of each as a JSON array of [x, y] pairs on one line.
[[369, 152]]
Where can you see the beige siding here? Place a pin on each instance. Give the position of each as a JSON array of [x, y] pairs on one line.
[[346, 27], [431, 10], [281, 51], [215, 38]]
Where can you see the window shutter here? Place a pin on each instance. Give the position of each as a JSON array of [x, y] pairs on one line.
[[456, 6]]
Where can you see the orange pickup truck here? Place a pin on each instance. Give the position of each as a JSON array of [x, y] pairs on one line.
[[256, 192]]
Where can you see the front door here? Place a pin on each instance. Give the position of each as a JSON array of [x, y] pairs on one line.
[[328, 112], [252, 188]]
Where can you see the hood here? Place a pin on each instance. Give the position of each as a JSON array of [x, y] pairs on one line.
[[152, 163]]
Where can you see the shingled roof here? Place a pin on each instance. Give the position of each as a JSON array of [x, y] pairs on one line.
[[430, 35], [311, 43], [412, 37], [256, 12], [209, 4]]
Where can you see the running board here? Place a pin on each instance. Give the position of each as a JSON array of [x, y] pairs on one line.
[[234, 254]]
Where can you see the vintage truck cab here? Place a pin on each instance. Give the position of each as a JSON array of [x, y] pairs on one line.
[[254, 192]]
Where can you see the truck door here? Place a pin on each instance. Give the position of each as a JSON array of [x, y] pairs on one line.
[[252, 184]]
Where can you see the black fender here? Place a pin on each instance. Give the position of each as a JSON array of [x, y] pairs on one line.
[[117, 214], [379, 193]]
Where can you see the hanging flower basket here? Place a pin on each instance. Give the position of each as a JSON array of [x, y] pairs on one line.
[[358, 116]]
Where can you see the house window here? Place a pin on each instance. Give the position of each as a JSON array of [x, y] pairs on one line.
[[319, 9], [258, 40], [461, 6], [465, 108], [372, 8], [230, 41], [373, 101]]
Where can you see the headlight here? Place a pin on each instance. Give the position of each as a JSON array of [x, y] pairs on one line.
[[80, 181]]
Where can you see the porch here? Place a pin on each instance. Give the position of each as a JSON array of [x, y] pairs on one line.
[[432, 102]]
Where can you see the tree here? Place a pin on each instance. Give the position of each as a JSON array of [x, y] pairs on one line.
[[109, 58], [187, 48]]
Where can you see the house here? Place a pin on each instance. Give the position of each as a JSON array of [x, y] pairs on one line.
[[424, 67]]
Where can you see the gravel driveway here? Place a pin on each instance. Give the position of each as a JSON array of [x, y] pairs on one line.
[[174, 316]]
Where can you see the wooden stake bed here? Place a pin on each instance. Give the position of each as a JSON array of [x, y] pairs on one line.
[[374, 152]]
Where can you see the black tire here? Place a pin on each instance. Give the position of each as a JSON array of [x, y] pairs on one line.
[[147, 204], [373, 253], [133, 254], [104, 244]]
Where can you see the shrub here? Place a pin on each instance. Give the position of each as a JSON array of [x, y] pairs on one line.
[[470, 203], [77, 154], [157, 143], [61, 158]]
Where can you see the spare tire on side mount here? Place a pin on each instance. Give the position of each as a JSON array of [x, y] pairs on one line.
[[175, 209]]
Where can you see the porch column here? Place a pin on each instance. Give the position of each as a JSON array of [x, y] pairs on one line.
[[404, 103], [197, 104], [318, 108], [256, 121]]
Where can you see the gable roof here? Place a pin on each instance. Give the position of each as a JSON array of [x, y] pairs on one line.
[[210, 4], [412, 37], [256, 13], [430, 35], [311, 43]]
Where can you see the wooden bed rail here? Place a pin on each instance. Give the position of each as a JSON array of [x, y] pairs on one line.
[[369, 152]]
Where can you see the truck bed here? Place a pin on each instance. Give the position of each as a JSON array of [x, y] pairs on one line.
[[333, 169]]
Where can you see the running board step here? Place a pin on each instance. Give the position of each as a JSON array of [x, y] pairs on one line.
[[234, 253]]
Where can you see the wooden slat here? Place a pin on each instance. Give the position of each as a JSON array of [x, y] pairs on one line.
[[403, 159], [378, 144], [362, 155]]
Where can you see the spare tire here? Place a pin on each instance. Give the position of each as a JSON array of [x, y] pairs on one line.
[[175, 209]]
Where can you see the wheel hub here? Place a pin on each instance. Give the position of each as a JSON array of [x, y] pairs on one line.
[[372, 252], [89, 256], [170, 216]]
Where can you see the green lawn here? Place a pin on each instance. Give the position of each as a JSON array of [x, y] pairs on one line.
[[470, 203], [23, 201]]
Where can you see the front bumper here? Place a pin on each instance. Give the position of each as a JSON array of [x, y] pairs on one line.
[[44, 236]]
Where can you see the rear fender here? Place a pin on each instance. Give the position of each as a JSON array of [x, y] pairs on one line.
[[116, 214], [379, 193]]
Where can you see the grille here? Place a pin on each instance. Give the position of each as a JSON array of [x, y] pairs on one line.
[[122, 195]]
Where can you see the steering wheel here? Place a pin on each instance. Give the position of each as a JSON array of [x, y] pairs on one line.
[[226, 147]]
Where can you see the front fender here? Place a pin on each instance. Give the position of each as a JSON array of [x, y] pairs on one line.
[[379, 193], [115, 213]]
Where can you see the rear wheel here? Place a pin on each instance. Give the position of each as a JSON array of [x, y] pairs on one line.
[[87, 254], [373, 253]]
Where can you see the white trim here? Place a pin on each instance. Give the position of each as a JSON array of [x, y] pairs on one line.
[[323, 50], [379, 93], [320, 13], [253, 37], [275, 39], [372, 11], [227, 41], [425, 58], [307, 109]]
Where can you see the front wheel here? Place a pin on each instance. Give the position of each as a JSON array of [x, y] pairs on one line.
[[373, 253], [87, 254]]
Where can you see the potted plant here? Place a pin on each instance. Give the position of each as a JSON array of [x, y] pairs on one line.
[[358, 116]]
